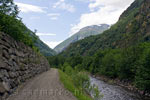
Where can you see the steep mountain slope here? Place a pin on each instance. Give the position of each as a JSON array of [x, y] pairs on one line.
[[43, 48], [132, 28], [16, 29], [84, 32]]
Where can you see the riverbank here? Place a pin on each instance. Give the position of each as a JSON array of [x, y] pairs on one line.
[[68, 83], [124, 84]]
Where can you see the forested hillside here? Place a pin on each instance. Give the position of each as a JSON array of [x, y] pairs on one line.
[[131, 29], [83, 33], [122, 52], [44, 49], [11, 23]]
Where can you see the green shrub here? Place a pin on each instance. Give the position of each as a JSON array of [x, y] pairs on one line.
[[68, 69], [69, 84], [15, 28], [81, 79]]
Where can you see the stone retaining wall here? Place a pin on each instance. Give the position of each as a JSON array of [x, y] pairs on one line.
[[18, 63]]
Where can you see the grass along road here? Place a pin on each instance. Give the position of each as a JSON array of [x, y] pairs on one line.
[[46, 86]]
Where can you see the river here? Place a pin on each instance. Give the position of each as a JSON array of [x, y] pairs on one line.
[[113, 92]]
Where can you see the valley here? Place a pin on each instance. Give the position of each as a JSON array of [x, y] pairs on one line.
[[117, 55]]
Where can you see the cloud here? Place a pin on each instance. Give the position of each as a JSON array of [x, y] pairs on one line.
[[34, 18], [61, 4], [52, 44], [86, 1], [26, 8], [102, 11], [45, 34], [53, 16]]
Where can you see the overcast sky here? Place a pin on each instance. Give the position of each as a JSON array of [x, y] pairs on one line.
[[56, 20]]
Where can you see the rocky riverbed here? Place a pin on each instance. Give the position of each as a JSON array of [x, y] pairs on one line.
[[114, 92]]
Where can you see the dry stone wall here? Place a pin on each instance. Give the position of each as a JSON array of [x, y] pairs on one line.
[[18, 63]]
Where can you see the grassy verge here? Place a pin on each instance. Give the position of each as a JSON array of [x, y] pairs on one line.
[[69, 85]]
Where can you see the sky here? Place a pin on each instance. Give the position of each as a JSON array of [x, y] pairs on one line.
[[56, 20]]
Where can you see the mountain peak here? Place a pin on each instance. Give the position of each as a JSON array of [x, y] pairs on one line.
[[92, 27], [83, 33], [132, 28]]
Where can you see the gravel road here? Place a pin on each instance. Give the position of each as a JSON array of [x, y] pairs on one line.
[[46, 86]]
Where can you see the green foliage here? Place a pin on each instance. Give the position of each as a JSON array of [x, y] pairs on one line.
[[15, 28], [68, 69], [8, 7], [75, 60], [86, 62], [69, 84], [11, 24], [121, 52], [56, 61], [109, 63], [43, 48], [80, 81], [126, 32], [129, 64], [85, 32], [96, 92], [142, 79]]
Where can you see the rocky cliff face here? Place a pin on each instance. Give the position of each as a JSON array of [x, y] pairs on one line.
[[18, 63]]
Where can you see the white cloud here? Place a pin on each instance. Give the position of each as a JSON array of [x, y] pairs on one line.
[[26, 8], [53, 16], [86, 1], [45, 34], [102, 11], [61, 4], [52, 44], [114, 4], [34, 18]]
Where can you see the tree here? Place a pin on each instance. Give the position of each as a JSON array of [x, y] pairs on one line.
[[75, 60], [35, 31], [9, 8], [97, 62], [142, 78], [86, 63], [109, 63]]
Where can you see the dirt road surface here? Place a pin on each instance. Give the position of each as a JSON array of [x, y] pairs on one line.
[[46, 86]]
